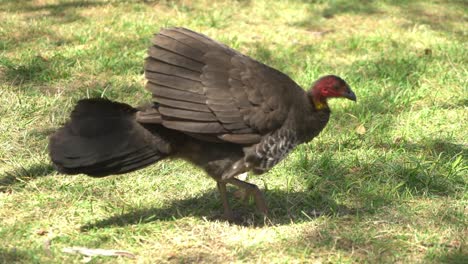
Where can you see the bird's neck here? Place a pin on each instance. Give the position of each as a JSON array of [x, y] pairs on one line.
[[318, 101]]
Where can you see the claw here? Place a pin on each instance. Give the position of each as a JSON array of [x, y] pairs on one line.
[[252, 190]]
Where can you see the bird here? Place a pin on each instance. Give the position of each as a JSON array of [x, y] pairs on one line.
[[212, 106]]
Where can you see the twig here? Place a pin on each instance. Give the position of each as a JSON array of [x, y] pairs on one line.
[[90, 252]]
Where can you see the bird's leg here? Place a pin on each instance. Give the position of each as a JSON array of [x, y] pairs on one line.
[[242, 193], [251, 189], [228, 214], [237, 168]]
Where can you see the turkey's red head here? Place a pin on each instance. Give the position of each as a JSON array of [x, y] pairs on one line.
[[330, 86]]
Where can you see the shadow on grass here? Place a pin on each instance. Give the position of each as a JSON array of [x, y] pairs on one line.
[[364, 7], [61, 12], [433, 147], [454, 257], [12, 255], [434, 168], [439, 173], [40, 70], [337, 182], [64, 11], [35, 69], [437, 20], [380, 184], [417, 12], [21, 175], [285, 207]]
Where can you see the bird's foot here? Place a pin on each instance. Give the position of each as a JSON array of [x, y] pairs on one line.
[[251, 190], [260, 201]]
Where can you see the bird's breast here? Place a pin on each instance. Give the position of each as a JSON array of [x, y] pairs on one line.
[[271, 150]]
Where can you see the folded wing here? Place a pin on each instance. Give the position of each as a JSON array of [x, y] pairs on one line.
[[203, 87]]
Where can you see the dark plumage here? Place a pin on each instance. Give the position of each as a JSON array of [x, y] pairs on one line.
[[221, 110]]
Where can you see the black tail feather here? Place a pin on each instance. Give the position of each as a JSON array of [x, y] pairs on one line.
[[103, 138]]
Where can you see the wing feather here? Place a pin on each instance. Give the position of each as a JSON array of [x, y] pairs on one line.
[[182, 104], [195, 127], [174, 81], [175, 59], [241, 138], [206, 88], [177, 47], [154, 65], [178, 35], [167, 92], [185, 114]]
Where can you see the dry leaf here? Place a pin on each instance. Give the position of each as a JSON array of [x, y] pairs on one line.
[[455, 243], [361, 130], [41, 232]]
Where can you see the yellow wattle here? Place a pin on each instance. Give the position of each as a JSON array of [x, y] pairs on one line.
[[319, 105]]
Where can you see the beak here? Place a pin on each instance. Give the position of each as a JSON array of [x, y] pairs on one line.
[[350, 95]]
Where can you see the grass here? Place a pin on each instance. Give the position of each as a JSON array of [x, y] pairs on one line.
[[384, 183]]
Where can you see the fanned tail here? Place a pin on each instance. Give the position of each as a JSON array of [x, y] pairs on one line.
[[104, 138]]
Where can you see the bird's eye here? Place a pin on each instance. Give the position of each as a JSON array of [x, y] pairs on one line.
[[336, 87]]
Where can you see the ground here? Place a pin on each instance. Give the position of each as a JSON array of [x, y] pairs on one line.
[[385, 182]]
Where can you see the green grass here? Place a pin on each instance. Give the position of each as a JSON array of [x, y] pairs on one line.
[[394, 192]]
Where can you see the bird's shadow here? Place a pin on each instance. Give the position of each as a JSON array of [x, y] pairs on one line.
[[287, 206], [12, 255], [23, 174], [284, 208]]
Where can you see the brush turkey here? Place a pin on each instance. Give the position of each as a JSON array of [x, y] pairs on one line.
[[212, 106]]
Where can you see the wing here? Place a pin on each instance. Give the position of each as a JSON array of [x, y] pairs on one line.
[[203, 87]]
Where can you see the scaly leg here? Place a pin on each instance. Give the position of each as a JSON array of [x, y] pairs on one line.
[[251, 189], [242, 193], [228, 214]]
